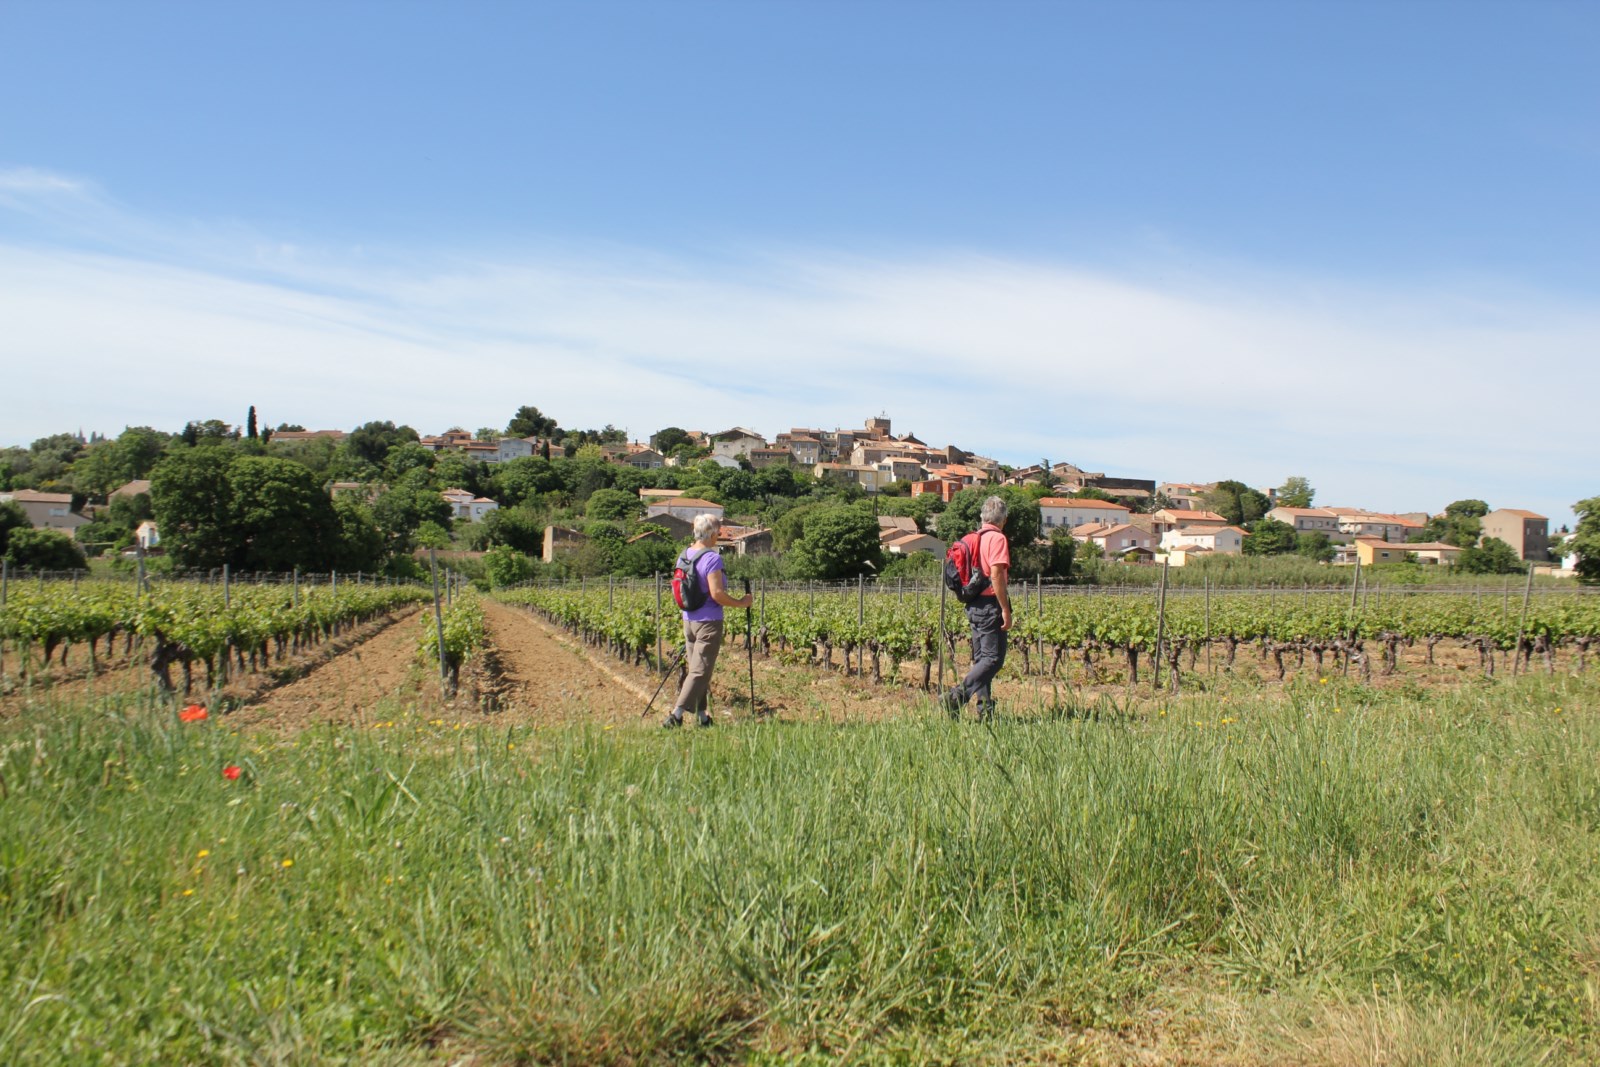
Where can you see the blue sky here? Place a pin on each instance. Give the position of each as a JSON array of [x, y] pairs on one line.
[[1354, 241]]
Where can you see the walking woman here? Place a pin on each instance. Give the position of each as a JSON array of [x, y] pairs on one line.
[[702, 626]]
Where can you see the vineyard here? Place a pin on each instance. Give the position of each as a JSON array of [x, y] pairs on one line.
[[226, 631], [1104, 636]]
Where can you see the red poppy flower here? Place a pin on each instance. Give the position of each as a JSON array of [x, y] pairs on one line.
[[193, 713], [231, 773]]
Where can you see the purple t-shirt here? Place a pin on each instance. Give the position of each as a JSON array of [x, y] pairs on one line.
[[707, 561]]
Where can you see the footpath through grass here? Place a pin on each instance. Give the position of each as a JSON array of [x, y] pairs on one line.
[[1315, 876]]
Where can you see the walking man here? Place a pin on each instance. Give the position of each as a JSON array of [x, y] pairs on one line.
[[990, 615], [702, 626]]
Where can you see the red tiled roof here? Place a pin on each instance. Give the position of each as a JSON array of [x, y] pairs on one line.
[[1074, 502]]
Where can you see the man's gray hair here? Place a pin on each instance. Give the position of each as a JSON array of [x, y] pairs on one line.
[[994, 511], [706, 525]]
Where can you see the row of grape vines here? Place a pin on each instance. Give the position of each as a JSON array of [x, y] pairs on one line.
[[886, 632], [244, 629], [461, 625]]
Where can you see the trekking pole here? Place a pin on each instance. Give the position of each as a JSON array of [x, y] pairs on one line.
[[750, 647], [668, 674]]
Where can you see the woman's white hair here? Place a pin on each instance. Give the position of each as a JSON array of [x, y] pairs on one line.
[[994, 511], [706, 525]]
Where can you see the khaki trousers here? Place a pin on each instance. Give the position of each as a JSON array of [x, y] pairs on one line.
[[701, 642]]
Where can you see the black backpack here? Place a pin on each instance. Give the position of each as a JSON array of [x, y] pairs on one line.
[[689, 590], [962, 574]]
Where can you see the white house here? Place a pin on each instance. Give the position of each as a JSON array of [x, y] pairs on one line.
[[731, 444], [1062, 511], [147, 535], [1223, 540], [1308, 520], [684, 508], [509, 448], [463, 505]]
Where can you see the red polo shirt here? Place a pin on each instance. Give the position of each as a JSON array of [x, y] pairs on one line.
[[992, 550]]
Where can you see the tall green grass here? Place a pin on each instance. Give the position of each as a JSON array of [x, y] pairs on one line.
[[909, 891]]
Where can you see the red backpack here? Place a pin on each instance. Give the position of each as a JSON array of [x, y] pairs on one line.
[[963, 574], [689, 590]]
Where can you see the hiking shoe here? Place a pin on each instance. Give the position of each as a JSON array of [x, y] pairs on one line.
[[951, 700], [674, 720], [985, 711], [703, 718]]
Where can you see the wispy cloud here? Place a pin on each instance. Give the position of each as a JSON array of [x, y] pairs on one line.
[[1384, 398]]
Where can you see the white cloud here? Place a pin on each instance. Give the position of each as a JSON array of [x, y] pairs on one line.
[[1387, 399]]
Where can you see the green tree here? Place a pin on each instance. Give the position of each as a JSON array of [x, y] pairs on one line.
[[962, 515], [1238, 503], [524, 479], [839, 542], [505, 566], [404, 507], [668, 438], [612, 505], [521, 528], [1063, 550], [1459, 524], [1295, 492], [529, 422], [12, 518], [1269, 538], [1314, 544], [1586, 539], [1494, 556], [371, 441], [44, 550], [193, 503], [281, 517], [359, 544]]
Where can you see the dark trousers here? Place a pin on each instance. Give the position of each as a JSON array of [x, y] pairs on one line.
[[988, 648]]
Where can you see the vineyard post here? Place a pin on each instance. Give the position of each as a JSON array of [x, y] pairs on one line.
[[1505, 599], [139, 588], [1161, 624], [763, 603], [940, 684], [1038, 596], [438, 622], [333, 582], [1516, 655], [659, 665], [861, 623], [297, 587], [227, 593], [1355, 590], [611, 592], [1208, 624], [5, 581]]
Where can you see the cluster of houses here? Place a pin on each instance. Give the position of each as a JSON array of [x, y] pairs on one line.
[[1122, 525]]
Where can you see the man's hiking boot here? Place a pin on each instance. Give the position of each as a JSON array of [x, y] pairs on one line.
[[703, 718], [674, 720], [952, 701], [985, 711]]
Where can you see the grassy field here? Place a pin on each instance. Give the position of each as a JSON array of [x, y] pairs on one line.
[[1318, 875]]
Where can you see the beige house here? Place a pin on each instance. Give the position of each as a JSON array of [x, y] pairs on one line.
[[1359, 524], [560, 541], [1061, 511], [1179, 557], [683, 507], [1527, 532], [869, 478], [1434, 552], [1309, 520], [131, 489], [903, 544], [1373, 550], [771, 457], [644, 458], [1179, 518], [46, 511]]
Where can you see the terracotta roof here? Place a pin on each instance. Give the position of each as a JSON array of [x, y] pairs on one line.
[[1525, 514], [689, 502], [1429, 546], [1320, 513], [1185, 515], [33, 496], [1073, 502]]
